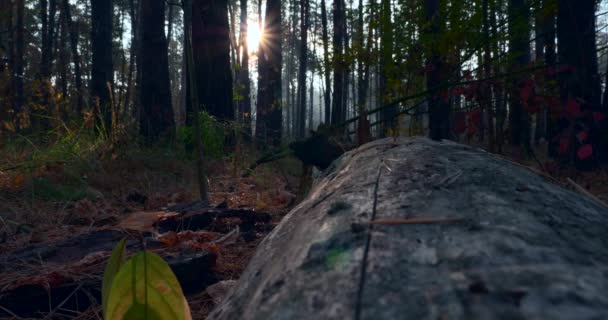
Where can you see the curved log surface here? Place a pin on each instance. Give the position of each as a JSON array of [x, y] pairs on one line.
[[525, 249]]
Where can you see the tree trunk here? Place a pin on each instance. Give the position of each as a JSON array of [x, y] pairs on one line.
[[156, 117], [579, 79], [539, 58], [487, 89], [519, 47], [439, 111], [339, 16], [550, 60], [211, 46], [51, 36], [122, 72], [10, 26], [6, 10], [234, 45], [102, 71], [74, 34], [47, 18], [269, 111], [45, 41], [363, 125], [347, 61], [170, 18], [301, 114], [291, 71], [64, 54], [245, 82], [363, 59], [326, 63], [135, 23], [387, 67], [499, 91], [193, 99], [19, 57]]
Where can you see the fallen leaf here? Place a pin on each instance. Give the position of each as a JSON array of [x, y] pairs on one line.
[[144, 221], [585, 152]]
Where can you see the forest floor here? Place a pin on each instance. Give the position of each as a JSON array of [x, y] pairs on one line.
[[43, 202]]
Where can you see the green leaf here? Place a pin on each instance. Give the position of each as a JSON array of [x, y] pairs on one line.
[[146, 288], [116, 261]]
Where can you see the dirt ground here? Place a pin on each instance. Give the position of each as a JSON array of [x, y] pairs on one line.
[[31, 215]]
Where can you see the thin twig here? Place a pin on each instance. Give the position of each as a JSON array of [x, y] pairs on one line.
[[10, 312], [50, 314], [582, 190], [447, 181], [401, 221]]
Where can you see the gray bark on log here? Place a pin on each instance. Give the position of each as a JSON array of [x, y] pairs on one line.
[[524, 249]]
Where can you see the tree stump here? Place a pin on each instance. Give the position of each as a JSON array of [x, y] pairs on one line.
[[371, 241]]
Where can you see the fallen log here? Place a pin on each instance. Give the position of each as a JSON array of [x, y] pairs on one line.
[[417, 229]]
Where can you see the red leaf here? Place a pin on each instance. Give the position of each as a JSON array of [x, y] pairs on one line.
[[585, 151], [459, 122], [475, 117], [564, 145], [566, 68], [573, 108], [582, 136], [444, 96], [555, 110], [458, 91], [471, 130], [526, 91], [598, 116]]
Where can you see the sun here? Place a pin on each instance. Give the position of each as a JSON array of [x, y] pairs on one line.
[[254, 37]]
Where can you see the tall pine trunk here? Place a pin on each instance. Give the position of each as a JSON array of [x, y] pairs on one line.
[[499, 91], [338, 112], [6, 9], [211, 47], [73, 30], [519, 53], [102, 71], [439, 111], [64, 54], [387, 66], [301, 114], [190, 67], [579, 79], [154, 88], [45, 41], [487, 67], [363, 59], [549, 29], [326, 63], [135, 23], [19, 62], [269, 111], [244, 81]]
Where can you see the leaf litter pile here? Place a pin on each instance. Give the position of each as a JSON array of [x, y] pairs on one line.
[[54, 270]]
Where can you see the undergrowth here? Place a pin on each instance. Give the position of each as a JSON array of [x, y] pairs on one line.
[[44, 179]]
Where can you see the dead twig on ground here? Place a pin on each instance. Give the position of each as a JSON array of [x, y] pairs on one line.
[[584, 191], [402, 221]]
